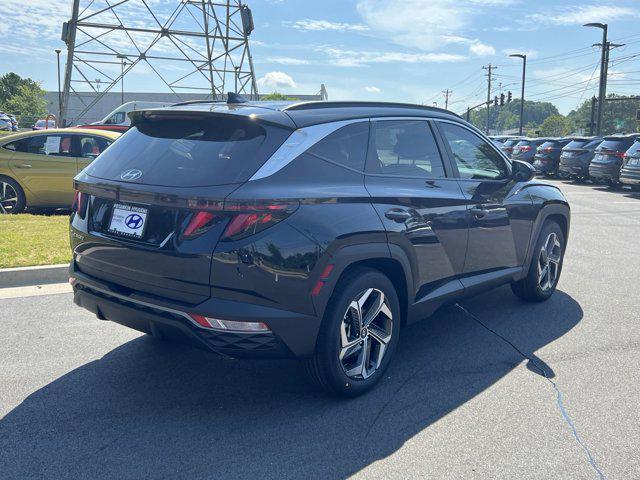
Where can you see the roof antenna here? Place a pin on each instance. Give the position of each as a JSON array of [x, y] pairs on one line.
[[235, 98]]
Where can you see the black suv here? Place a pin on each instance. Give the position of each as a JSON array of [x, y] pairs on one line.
[[630, 173], [547, 158], [525, 149], [577, 155], [607, 162], [310, 230], [507, 145]]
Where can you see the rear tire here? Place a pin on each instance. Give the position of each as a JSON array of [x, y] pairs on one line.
[[12, 198], [355, 344], [548, 256]]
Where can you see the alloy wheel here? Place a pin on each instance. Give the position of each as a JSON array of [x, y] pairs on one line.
[[365, 333], [549, 262], [8, 198]]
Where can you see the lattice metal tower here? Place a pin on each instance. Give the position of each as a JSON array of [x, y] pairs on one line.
[[197, 46]]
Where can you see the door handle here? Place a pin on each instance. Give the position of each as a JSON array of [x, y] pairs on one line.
[[478, 212], [397, 215], [23, 165]]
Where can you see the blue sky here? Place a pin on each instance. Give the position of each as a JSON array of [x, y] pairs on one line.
[[400, 50]]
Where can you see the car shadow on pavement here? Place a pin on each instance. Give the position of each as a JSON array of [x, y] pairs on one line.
[[154, 410]]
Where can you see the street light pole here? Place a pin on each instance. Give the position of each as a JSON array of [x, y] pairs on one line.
[[122, 64], [524, 76], [602, 91], [59, 91]]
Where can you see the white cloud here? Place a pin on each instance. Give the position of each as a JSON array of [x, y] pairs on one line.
[[584, 14], [287, 61], [424, 24], [320, 25], [481, 49], [277, 81], [354, 58], [375, 90]]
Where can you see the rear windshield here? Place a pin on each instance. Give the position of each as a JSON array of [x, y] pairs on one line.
[[189, 153], [634, 150], [588, 143], [510, 142], [551, 144], [617, 145]]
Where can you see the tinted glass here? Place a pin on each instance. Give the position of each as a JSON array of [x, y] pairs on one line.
[[18, 145], [115, 118], [54, 145], [405, 148], [510, 143], [91, 147], [616, 145], [474, 157], [195, 152], [634, 150], [346, 146], [578, 143]]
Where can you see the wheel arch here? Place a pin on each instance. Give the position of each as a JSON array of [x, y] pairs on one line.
[[377, 256]]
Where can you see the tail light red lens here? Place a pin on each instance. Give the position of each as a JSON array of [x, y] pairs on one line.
[[548, 149], [619, 154], [244, 218], [525, 148], [79, 206]]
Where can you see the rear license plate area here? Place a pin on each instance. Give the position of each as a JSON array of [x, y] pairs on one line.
[[128, 221]]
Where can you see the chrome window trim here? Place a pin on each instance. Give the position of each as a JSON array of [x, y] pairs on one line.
[[297, 143]]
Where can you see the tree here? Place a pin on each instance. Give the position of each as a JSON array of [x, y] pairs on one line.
[[507, 117], [555, 126], [619, 116], [29, 102], [277, 96], [10, 84]]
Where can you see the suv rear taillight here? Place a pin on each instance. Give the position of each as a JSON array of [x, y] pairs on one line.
[[79, 206], [243, 218], [548, 149], [524, 148]]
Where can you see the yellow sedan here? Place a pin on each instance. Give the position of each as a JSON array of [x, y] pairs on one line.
[[37, 167]]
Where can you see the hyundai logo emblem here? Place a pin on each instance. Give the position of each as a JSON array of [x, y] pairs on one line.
[[134, 221], [130, 175]]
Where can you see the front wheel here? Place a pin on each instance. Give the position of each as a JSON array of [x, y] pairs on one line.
[[358, 336], [546, 265]]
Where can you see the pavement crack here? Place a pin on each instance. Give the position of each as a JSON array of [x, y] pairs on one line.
[[538, 365]]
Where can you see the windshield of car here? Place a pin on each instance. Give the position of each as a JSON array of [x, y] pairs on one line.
[[195, 152], [510, 142], [615, 145]]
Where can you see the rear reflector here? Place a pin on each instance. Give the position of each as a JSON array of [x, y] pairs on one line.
[[229, 325]]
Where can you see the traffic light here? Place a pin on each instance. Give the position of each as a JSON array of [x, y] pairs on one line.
[[501, 99], [495, 100], [509, 97]]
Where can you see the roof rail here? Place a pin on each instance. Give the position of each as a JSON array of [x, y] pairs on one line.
[[191, 102], [354, 104]]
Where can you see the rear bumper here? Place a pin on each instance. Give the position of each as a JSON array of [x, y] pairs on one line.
[[292, 334], [605, 172], [578, 170], [630, 176]]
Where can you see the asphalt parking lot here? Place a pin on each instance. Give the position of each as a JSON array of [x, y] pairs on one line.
[[520, 391]]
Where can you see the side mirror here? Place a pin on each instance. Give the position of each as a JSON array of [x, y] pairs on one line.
[[522, 171]]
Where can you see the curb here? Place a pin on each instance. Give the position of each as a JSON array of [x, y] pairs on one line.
[[26, 276]]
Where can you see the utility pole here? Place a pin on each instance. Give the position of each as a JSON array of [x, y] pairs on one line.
[[59, 90], [593, 114], [490, 68], [602, 90], [446, 94], [524, 76]]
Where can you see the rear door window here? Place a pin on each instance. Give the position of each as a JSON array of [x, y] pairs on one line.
[[191, 152], [91, 146], [405, 148]]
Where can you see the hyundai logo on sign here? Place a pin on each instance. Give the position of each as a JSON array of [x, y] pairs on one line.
[[130, 175], [134, 221]]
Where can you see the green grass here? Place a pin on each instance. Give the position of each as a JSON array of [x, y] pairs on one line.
[[27, 240]]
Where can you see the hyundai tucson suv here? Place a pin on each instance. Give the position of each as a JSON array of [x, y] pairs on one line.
[[547, 158], [630, 173], [507, 145], [607, 162], [577, 155], [309, 230], [525, 149]]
